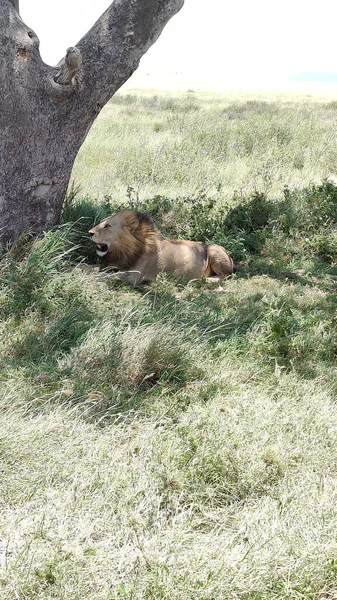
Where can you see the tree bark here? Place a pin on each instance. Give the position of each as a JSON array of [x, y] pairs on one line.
[[46, 112]]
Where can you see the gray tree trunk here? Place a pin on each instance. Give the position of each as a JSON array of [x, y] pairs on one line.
[[46, 112]]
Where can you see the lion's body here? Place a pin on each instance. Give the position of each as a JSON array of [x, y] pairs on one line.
[[131, 242]]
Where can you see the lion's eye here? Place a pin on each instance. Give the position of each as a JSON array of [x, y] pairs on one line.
[[107, 225]]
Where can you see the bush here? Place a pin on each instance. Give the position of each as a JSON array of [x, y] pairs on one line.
[[304, 221], [310, 209]]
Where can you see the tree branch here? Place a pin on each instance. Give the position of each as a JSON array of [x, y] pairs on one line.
[[15, 4], [113, 47], [20, 58]]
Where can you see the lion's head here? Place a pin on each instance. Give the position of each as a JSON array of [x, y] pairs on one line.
[[124, 237]]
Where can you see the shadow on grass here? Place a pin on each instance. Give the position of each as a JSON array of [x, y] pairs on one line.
[[317, 274], [267, 314]]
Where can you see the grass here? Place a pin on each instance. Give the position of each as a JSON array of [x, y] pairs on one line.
[[174, 441], [177, 145]]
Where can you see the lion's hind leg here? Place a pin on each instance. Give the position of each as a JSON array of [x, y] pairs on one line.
[[220, 263]]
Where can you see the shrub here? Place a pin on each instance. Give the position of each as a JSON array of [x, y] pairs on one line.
[[305, 220], [309, 209]]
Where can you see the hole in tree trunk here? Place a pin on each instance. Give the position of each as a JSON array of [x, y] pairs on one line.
[[23, 53]]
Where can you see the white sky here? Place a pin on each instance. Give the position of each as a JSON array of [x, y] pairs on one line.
[[237, 41]]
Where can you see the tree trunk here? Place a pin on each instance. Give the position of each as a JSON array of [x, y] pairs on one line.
[[46, 112]]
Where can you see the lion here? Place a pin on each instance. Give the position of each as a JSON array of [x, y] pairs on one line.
[[131, 242]]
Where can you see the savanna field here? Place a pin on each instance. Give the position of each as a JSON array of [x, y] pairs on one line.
[[178, 441]]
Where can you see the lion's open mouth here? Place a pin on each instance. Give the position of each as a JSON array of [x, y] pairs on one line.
[[101, 249]]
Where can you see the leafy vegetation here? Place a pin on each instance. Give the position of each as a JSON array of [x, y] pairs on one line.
[[171, 440]]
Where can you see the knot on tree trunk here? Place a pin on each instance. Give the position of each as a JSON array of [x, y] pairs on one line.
[[69, 66]]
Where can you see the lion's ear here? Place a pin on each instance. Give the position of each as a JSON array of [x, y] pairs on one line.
[[132, 223]]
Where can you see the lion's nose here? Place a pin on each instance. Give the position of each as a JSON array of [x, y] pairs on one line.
[[91, 233]]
